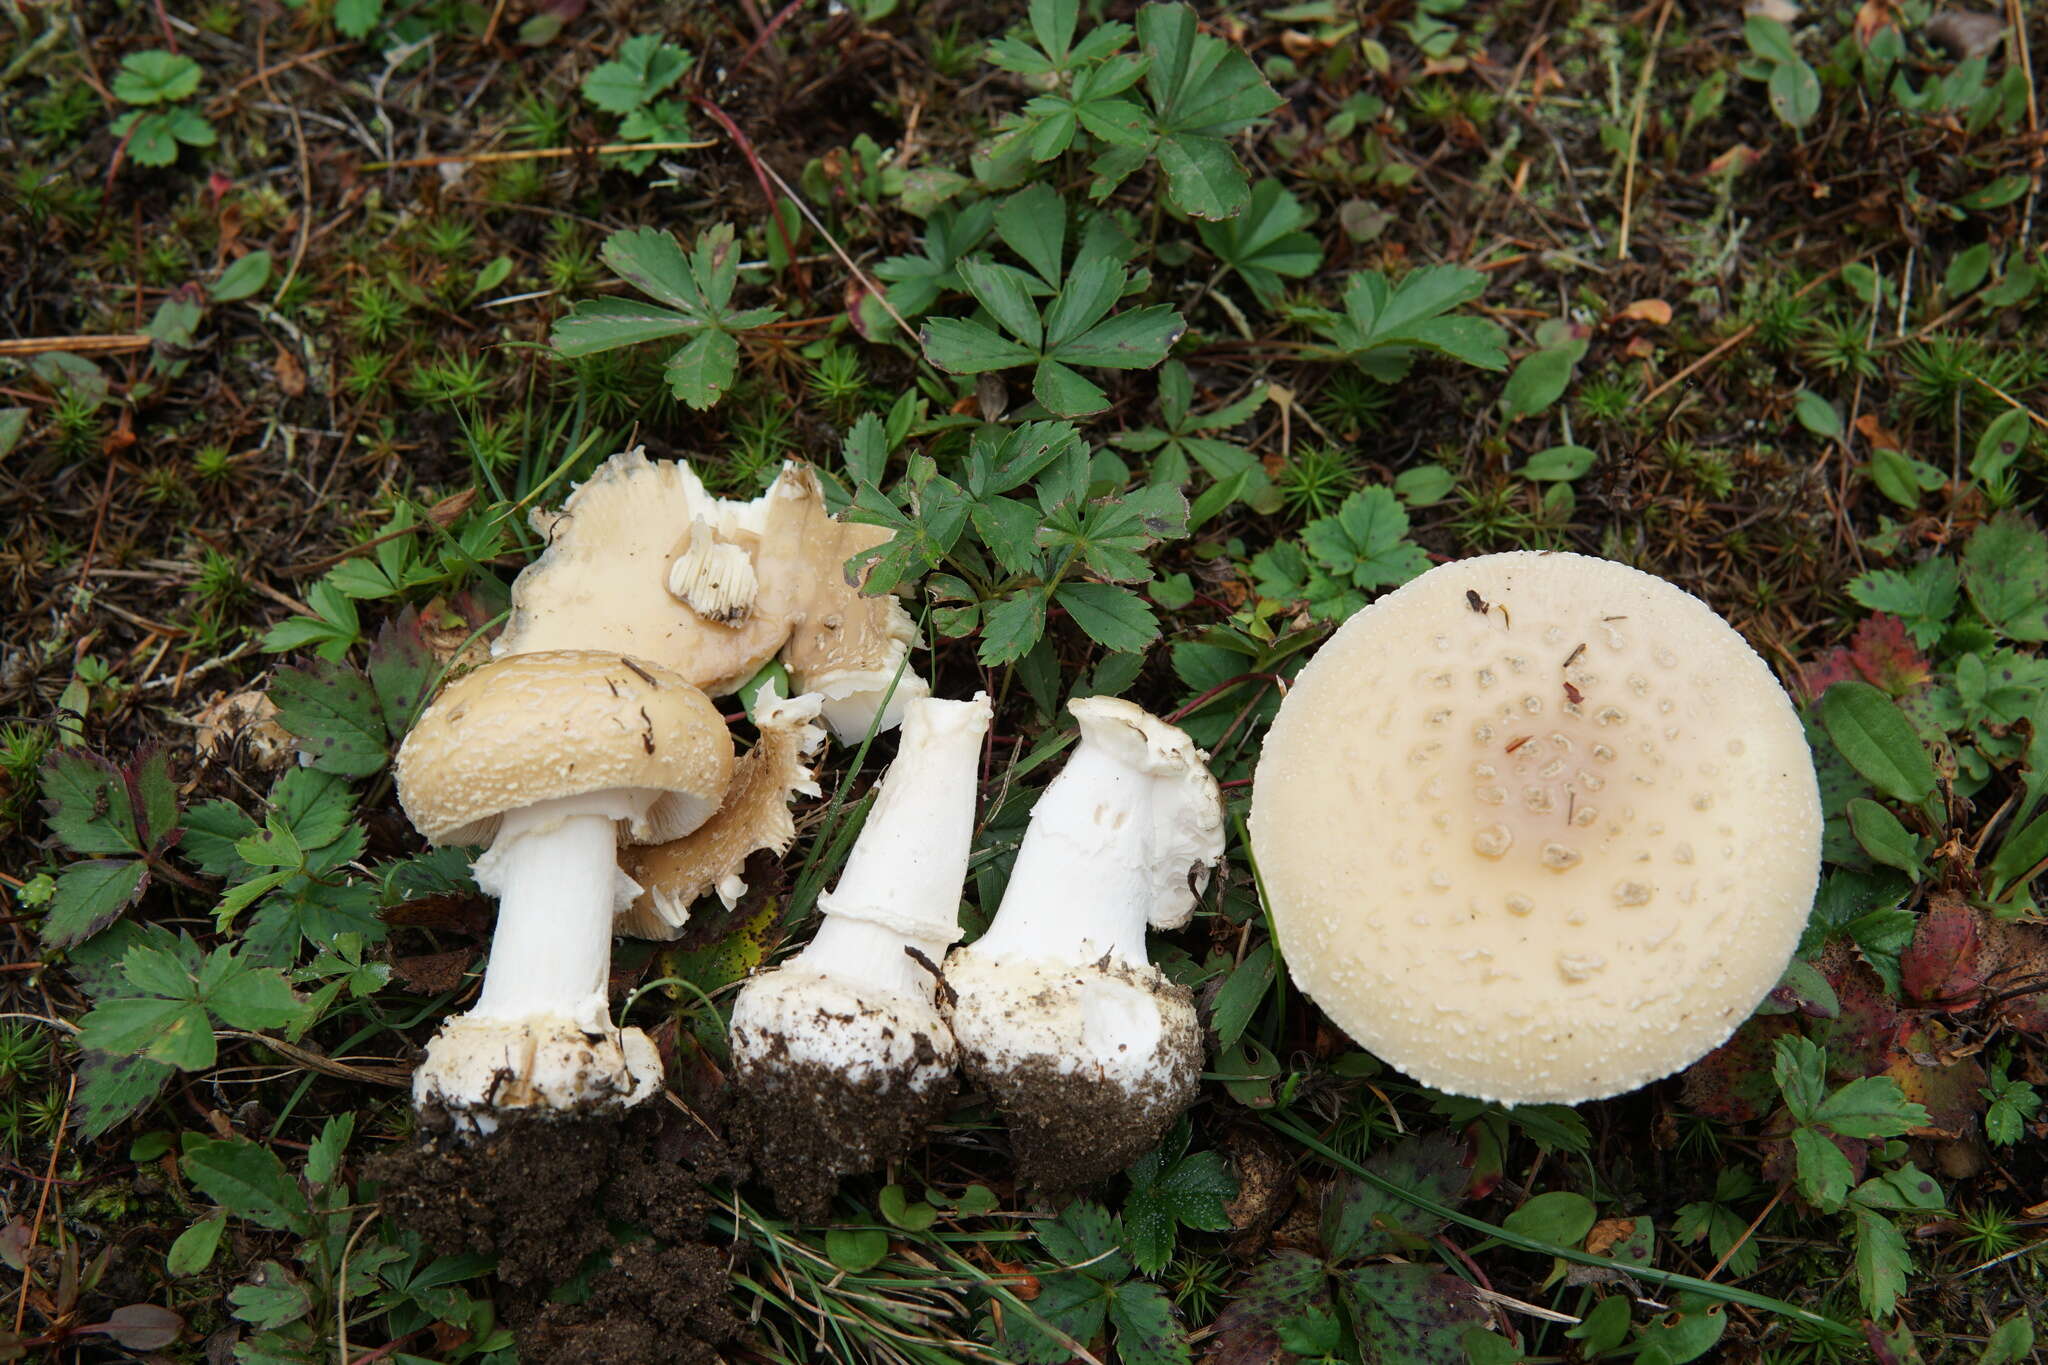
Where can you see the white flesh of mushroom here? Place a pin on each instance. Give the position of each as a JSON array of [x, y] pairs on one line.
[[1124, 838], [541, 1024], [855, 1000]]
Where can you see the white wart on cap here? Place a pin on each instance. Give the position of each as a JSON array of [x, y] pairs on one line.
[[1537, 827]]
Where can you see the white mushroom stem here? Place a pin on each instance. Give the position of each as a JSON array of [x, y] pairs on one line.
[[554, 868], [1111, 844], [842, 1056], [1058, 1008], [899, 891], [540, 1035]]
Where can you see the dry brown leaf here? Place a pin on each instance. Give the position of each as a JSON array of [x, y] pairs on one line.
[[1653, 311]]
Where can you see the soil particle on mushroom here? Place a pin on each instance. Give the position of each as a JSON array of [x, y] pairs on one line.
[[804, 1125], [542, 1194], [1069, 1129]]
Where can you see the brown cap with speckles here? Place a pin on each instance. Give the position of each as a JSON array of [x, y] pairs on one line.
[[1537, 827], [529, 728]]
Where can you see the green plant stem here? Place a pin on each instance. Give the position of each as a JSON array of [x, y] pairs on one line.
[[1666, 1279]]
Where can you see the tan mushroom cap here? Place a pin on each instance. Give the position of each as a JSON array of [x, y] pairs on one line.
[[1537, 827], [603, 581], [537, 727]]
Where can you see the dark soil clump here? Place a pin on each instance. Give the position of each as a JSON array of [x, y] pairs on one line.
[[1070, 1129], [805, 1125], [544, 1194]]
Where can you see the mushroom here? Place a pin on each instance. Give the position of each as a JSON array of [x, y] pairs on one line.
[[841, 1056], [551, 759], [643, 559], [1090, 1052], [1537, 827], [753, 816]]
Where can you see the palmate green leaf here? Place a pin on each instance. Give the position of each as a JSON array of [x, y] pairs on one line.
[[1010, 627], [334, 713], [1065, 392], [1136, 339], [1924, 596], [596, 325], [90, 896], [248, 1181], [646, 66], [253, 998], [155, 77], [1883, 1262], [87, 804], [1009, 528], [1190, 1192], [652, 261], [1366, 540], [915, 282], [355, 18], [280, 1299], [1266, 241], [1361, 1220], [2005, 567], [963, 346], [1409, 1314], [702, 371], [1115, 618], [1196, 81]]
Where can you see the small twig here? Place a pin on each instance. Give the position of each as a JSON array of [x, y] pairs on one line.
[[108, 344], [867, 283], [533, 154], [42, 1197], [1747, 1233], [1635, 131], [760, 168]]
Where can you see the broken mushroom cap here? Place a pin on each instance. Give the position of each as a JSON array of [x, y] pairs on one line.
[[1537, 828], [642, 558], [753, 816], [849, 647], [540, 727], [603, 582]]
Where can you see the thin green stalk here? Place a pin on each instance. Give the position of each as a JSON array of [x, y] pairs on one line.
[[1666, 1279]]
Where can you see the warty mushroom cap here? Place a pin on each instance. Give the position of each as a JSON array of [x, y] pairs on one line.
[[1537, 827], [529, 728]]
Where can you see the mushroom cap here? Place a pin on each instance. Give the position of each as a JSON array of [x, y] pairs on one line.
[[1537, 827], [537, 727]]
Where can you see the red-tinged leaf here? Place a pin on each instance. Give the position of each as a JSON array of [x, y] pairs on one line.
[[1880, 653], [142, 1326], [1885, 654], [1247, 1332], [1931, 1075], [1733, 1083], [2019, 981], [1860, 1039], [1944, 965]]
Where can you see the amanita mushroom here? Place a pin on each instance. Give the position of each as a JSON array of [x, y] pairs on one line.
[[1537, 827], [841, 1056], [1090, 1052], [552, 759], [642, 558]]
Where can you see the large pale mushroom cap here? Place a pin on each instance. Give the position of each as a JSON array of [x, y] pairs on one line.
[[1537, 827], [538, 727]]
